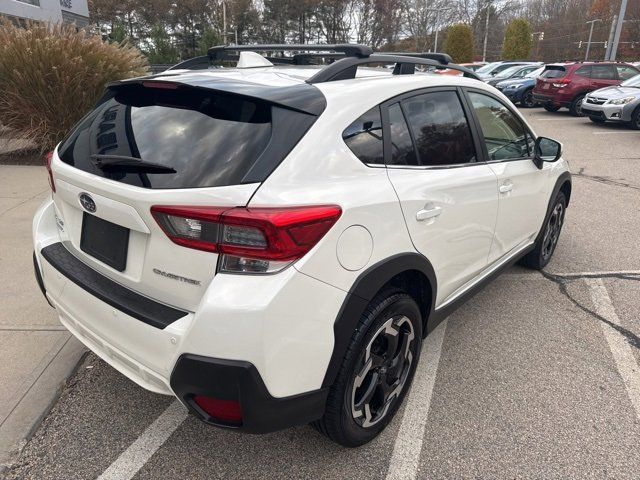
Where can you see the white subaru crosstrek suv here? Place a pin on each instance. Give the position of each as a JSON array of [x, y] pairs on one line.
[[271, 243]]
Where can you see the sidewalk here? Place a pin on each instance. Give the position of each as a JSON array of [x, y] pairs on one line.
[[36, 353]]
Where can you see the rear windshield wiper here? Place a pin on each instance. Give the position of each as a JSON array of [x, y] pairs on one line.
[[122, 163]]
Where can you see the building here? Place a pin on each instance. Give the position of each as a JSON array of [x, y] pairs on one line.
[[54, 11]]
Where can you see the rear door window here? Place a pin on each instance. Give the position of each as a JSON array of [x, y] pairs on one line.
[[440, 129], [206, 138], [584, 71], [364, 137], [553, 72]]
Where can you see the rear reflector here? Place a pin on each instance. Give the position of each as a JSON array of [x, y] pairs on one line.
[[252, 240], [224, 411]]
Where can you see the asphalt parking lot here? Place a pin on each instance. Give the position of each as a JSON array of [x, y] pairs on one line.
[[536, 377]]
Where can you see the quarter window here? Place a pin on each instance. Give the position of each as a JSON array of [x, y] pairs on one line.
[[584, 71], [440, 129], [503, 132], [364, 137], [402, 151]]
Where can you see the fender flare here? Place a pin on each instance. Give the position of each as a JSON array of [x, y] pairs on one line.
[[364, 289]]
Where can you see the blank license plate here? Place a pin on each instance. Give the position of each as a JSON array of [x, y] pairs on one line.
[[105, 241]]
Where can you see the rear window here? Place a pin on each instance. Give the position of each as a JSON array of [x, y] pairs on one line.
[[553, 72], [204, 138]]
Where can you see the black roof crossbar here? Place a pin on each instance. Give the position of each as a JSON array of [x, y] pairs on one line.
[[442, 58], [347, 67], [219, 52]]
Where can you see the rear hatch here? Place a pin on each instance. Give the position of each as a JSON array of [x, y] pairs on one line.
[[152, 143], [550, 80]]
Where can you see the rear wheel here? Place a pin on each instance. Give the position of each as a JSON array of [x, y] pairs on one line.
[[376, 372], [551, 108], [576, 106], [527, 99], [635, 119], [540, 256]]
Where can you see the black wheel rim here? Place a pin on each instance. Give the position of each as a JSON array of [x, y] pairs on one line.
[[552, 231], [528, 99], [382, 371]]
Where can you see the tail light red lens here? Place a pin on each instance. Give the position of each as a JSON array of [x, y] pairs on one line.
[[47, 163], [224, 411], [256, 240]]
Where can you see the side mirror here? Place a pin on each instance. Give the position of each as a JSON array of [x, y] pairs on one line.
[[546, 150]]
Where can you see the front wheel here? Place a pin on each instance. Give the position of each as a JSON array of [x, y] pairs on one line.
[[376, 372], [546, 243], [635, 119], [576, 106]]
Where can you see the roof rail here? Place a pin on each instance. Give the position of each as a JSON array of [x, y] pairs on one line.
[[219, 52], [404, 65], [443, 58]]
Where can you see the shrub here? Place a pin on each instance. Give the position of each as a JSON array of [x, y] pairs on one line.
[[517, 40], [459, 43], [51, 75]]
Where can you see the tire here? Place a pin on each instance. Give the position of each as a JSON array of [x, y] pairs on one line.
[[527, 99], [346, 420], [576, 106], [597, 119], [551, 108], [547, 240], [635, 119]]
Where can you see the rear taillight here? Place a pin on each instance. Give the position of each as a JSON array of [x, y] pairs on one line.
[[221, 411], [251, 240], [47, 163], [563, 82]]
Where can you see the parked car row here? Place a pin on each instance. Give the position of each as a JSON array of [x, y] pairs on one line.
[[603, 91]]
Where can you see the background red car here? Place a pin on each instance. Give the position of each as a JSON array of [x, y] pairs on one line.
[[566, 84]]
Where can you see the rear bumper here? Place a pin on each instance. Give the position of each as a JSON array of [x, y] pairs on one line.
[[556, 100], [252, 339], [240, 381]]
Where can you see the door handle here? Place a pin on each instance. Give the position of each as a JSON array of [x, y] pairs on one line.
[[506, 187], [428, 213]]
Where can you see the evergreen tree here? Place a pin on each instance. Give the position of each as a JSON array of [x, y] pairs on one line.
[[517, 40], [459, 43]]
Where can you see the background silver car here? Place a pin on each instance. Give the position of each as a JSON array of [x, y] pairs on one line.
[[620, 103]]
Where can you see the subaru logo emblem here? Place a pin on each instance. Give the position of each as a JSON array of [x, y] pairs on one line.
[[87, 202]]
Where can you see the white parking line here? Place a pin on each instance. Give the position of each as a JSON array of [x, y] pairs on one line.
[[140, 451], [608, 133], [620, 348], [406, 451]]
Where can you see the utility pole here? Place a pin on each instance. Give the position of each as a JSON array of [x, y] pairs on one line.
[[224, 22], [437, 10], [609, 44], [616, 39], [486, 32], [592, 22]]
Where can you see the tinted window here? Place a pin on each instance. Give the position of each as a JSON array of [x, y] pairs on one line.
[[553, 72], [503, 132], [208, 139], [584, 71], [440, 129], [625, 73], [364, 137], [602, 72], [402, 151]]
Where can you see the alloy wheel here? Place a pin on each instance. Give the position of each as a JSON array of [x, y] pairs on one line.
[[552, 231], [382, 372]]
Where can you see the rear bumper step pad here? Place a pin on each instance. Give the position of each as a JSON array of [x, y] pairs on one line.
[[127, 301]]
